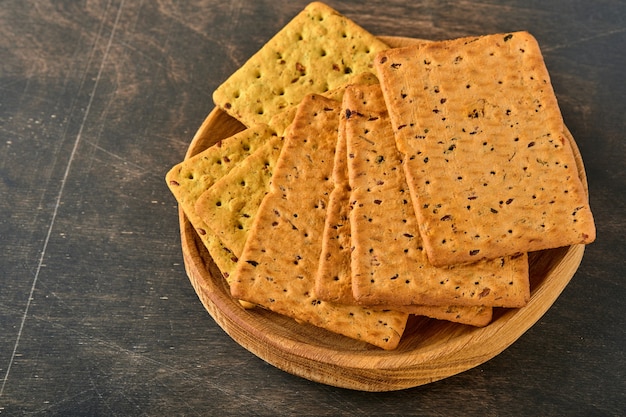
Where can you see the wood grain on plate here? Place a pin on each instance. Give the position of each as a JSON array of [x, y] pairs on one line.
[[430, 350]]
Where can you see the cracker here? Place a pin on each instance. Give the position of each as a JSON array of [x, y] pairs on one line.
[[190, 178], [478, 316], [280, 258], [490, 171], [315, 52], [229, 206], [388, 262], [333, 281]]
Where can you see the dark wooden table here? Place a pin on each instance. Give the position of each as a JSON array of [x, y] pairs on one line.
[[99, 99]]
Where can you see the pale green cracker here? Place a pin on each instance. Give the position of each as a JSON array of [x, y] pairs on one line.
[[319, 50], [191, 177], [229, 206]]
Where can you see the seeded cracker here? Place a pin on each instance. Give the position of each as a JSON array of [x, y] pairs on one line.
[[389, 265], [280, 258], [317, 51], [190, 178], [477, 316], [229, 206], [490, 171], [333, 281]]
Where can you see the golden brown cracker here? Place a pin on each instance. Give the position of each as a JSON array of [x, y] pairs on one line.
[[280, 257], [490, 171], [333, 281], [478, 316], [388, 262]]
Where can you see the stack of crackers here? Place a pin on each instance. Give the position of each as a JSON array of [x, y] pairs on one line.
[[372, 183]]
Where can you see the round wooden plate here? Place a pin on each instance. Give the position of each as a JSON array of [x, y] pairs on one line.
[[430, 349]]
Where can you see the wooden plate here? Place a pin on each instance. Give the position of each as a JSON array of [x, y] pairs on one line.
[[430, 350]]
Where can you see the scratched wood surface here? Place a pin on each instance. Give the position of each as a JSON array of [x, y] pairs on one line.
[[98, 99]]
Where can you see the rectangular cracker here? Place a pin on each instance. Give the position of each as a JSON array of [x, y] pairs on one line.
[[280, 258], [477, 316], [317, 51], [490, 171], [333, 281], [388, 261], [190, 178], [229, 206]]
